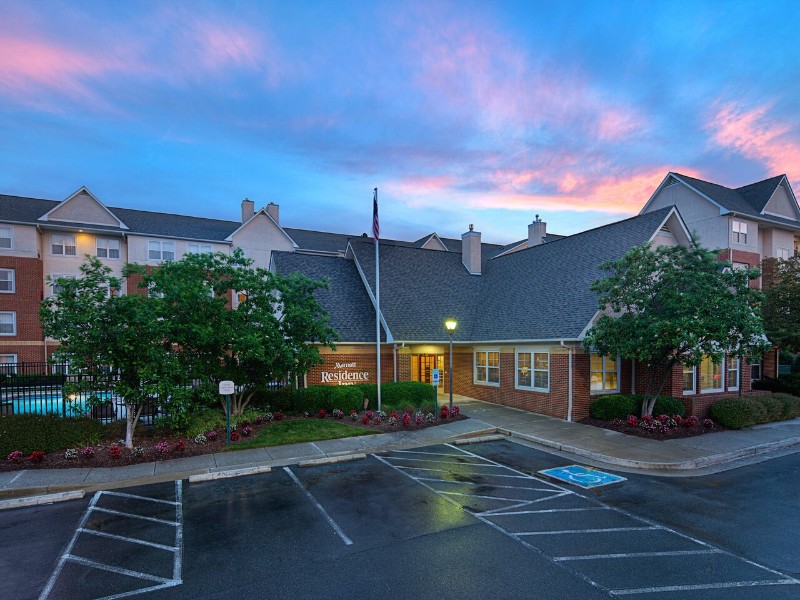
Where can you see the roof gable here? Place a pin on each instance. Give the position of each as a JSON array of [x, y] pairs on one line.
[[83, 207], [261, 224], [431, 242]]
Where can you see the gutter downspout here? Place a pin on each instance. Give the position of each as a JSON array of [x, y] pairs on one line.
[[569, 393]]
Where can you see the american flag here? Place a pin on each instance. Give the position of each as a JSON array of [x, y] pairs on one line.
[[376, 228]]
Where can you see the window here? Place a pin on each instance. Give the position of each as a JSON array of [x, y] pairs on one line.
[[739, 232], [8, 323], [755, 371], [157, 250], [710, 375], [783, 253], [604, 373], [487, 367], [688, 379], [533, 370], [55, 287], [199, 248], [7, 281], [737, 266], [63, 245], [6, 237], [107, 248], [732, 382], [8, 364]]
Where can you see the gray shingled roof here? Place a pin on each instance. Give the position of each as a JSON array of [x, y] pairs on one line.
[[746, 200], [543, 292], [350, 311]]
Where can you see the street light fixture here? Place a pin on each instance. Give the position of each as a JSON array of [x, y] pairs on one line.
[[450, 325]]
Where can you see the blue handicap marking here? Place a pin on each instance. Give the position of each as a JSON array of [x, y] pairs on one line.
[[581, 476]]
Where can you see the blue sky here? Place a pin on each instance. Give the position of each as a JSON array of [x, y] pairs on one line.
[[459, 112]]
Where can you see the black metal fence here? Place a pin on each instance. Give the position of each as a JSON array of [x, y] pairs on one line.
[[50, 388]]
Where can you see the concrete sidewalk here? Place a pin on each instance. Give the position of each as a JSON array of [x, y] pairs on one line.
[[582, 443]]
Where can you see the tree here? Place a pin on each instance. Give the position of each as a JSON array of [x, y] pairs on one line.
[[781, 307], [669, 305], [273, 331], [101, 331]]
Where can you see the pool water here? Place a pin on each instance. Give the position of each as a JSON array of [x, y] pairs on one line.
[[50, 403]]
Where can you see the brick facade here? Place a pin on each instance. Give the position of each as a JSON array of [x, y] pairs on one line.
[[28, 343]]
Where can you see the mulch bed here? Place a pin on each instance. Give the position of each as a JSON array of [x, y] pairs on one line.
[[147, 438], [673, 434]]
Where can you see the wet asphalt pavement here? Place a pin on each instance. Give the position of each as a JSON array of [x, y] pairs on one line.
[[436, 522]]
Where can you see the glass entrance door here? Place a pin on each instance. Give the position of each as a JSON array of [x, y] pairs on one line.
[[422, 366]]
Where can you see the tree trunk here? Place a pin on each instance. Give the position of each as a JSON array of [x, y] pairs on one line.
[[649, 403], [132, 418]]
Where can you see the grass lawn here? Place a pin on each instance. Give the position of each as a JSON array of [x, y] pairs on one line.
[[300, 430]]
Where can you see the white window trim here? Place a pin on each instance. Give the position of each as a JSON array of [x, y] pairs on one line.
[[54, 276], [783, 253], [63, 238], [742, 231], [199, 248], [729, 362], [161, 244], [13, 280], [13, 322], [532, 352], [684, 370], [723, 373], [604, 371], [4, 365], [97, 248], [10, 229], [475, 367]]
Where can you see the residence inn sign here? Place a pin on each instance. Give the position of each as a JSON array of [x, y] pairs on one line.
[[344, 375]]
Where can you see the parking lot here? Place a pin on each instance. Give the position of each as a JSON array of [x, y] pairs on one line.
[[442, 521]]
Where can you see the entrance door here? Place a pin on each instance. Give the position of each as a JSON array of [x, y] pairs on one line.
[[422, 366]]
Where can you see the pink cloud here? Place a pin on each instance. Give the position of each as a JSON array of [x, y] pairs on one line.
[[756, 134], [28, 65]]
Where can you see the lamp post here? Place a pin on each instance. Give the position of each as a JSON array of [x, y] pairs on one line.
[[450, 325]]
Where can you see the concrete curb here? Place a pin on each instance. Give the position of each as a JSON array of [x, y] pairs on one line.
[[698, 463], [43, 499], [480, 439], [330, 460], [211, 475]]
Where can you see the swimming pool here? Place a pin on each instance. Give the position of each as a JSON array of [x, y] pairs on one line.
[[54, 403]]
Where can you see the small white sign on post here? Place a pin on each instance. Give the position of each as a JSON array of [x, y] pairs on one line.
[[226, 387]]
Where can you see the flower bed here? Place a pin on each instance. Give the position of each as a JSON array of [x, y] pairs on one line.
[[661, 427], [156, 444]]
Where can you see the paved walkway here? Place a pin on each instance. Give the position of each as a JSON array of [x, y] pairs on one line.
[[582, 442]]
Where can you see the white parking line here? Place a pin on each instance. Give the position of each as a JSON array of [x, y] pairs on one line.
[[328, 518], [646, 525], [161, 582]]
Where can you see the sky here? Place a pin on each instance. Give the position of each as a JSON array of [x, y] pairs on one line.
[[483, 113]]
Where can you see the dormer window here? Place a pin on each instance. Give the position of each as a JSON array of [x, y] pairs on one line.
[[63, 245], [739, 232]]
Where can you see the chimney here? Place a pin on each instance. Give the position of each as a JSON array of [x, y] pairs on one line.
[[536, 232], [471, 251], [248, 209], [272, 211]]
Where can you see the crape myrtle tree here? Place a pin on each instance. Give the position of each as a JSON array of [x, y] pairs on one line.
[[275, 329], [99, 332], [781, 307], [674, 304]]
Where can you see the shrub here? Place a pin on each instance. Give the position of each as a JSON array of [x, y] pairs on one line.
[[247, 430], [406, 420], [15, 456], [71, 454], [162, 448], [235, 436], [211, 435], [621, 406], [87, 452], [200, 439], [204, 420], [36, 456], [444, 412], [137, 451], [115, 452], [397, 393], [179, 446], [30, 432], [735, 413], [338, 414]]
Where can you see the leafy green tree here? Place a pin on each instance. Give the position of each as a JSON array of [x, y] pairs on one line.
[[781, 308], [669, 305], [99, 331], [273, 331]]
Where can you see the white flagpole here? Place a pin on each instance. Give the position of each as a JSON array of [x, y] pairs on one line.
[[376, 235]]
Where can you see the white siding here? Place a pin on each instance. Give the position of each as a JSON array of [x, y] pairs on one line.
[[781, 204], [82, 208], [259, 238], [701, 216]]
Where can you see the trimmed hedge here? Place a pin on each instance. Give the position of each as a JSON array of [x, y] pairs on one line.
[[619, 406], [345, 397], [30, 432], [785, 384], [736, 412]]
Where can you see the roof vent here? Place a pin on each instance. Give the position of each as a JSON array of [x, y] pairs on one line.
[[670, 181]]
